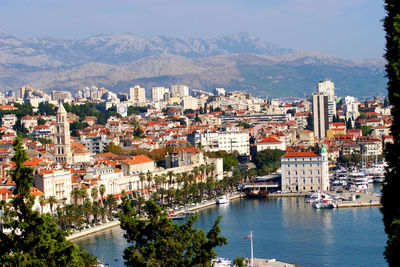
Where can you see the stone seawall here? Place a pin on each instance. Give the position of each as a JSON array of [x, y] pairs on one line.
[[93, 230]]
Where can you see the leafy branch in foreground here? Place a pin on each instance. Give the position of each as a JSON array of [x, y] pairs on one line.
[[33, 239], [157, 241]]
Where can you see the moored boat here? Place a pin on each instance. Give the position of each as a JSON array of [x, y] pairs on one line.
[[324, 204], [221, 262], [222, 200], [257, 193]]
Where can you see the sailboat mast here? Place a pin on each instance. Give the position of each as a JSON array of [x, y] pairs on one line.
[[251, 240]]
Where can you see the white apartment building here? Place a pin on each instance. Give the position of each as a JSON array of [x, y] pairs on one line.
[[157, 93], [371, 147], [190, 102], [108, 176], [327, 88], [180, 90], [229, 140], [320, 115], [55, 183], [305, 171], [9, 120], [94, 142], [137, 94], [270, 143], [137, 164]]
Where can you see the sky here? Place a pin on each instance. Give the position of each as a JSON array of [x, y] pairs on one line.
[[343, 28]]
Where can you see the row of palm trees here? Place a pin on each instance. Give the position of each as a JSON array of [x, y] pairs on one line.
[[89, 211], [43, 201], [171, 179], [171, 189], [189, 191]]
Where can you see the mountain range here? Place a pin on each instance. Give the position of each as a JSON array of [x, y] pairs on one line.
[[237, 62]]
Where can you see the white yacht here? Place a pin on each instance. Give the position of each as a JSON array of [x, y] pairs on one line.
[[324, 204], [357, 181], [222, 200]]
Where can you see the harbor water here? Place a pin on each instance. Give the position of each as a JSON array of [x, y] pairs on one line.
[[287, 229]]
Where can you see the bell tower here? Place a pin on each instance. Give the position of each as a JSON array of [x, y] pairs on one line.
[[62, 138]]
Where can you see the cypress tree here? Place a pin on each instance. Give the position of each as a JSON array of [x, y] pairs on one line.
[[34, 239], [390, 208]]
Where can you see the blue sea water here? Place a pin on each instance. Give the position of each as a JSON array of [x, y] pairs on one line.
[[287, 229]]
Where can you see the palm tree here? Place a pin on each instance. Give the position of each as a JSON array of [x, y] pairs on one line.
[[75, 194], [149, 179], [185, 177], [202, 169], [42, 202], [103, 213], [102, 190], [96, 210], [51, 200], [191, 179], [170, 175], [139, 203], [213, 167], [196, 172], [94, 194], [110, 203], [163, 179], [83, 194], [178, 180], [157, 180], [87, 207], [142, 178], [171, 194]]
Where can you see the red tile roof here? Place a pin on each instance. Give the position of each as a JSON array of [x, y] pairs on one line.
[[300, 154], [138, 160], [269, 139]]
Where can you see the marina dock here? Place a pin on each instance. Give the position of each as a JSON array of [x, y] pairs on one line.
[[271, 263]]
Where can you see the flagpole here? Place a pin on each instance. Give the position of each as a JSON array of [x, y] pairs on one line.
[[251, 240]]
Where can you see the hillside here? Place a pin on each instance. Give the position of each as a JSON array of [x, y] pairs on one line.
[[238, 61]]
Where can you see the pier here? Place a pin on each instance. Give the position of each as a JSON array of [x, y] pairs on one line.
[[271, 263]]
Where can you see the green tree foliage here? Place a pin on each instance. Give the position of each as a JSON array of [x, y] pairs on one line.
[[188, 111], [244, 125], [366, 130], [229, 159], [349, 124], [75, 126], [354, 158], [268, 160], [35, 239], [239, 262], [45, 141], [20, 129], [47, 109], [291, 111], [310, 123], [390, 208], [159, 242], [41, 121], [91, 109], [23, 109], [135, 110]]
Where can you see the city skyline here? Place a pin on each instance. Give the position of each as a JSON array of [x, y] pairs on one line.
[[352, 30]]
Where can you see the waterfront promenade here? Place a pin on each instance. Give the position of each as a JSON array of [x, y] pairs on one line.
[[116, 222]]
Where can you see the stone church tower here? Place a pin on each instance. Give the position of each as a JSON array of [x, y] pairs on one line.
[[62, 138]]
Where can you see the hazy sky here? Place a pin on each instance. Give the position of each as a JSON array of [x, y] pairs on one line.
[[344, 28]]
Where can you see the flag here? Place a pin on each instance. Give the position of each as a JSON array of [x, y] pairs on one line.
[[245, 238]]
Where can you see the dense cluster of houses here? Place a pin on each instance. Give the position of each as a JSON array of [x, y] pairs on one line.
[[235, 122]]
